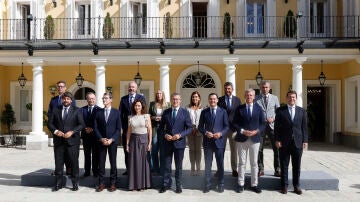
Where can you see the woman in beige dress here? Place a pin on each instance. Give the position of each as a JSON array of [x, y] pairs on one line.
[[195, 138], [138, 146]]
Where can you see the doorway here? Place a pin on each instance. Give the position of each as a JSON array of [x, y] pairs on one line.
[[317, 113], [200, 19]]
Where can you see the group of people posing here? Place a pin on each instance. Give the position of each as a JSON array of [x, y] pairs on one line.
[[153, 136]]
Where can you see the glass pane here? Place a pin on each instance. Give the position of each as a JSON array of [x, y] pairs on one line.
[[312, 18], [89, 19], [320, 17], [250, 18], [144, 16], [81, 26], [24, 99], [260, 18]]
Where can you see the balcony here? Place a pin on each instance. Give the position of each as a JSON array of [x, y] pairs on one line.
[[210, 31]]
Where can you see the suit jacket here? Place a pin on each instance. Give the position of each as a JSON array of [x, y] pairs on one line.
[[285, 128], [109, 129], [73, 122], [256, 122], [269, 110], [56, 102], [235, 103], [125, 110], [89, 120], [220, 124], [182, 125]]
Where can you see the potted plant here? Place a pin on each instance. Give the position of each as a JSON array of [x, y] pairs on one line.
[[108, 28], [49, 28], [290, 25], [226, 25], [8, 118], [168, 25]]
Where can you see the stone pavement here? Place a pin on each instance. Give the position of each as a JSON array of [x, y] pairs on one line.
[[341, 162]]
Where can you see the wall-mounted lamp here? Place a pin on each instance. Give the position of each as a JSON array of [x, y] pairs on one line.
[[197, 76], [22, 79], [30, 51], [109, 89], [162, 48], [52, 90], [79, 79], [95, 49], [54, 3], [231, 47], [322, 77], [138, 77], [258, 77]]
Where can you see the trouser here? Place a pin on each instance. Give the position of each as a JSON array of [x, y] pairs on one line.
[[270, 133], [243, 148]]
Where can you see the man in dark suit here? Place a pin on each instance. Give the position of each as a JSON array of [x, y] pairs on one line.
[[90, 142], [65, 122], [107, 126], [230, 103], [214, 124], [175, 125], [249, 122], [55, 102], [291, 138], [125, 112], [268, 103]]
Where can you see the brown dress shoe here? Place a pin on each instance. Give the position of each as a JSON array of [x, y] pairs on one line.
[[112, 188], [297, 190], [100, 188], [284, 190]]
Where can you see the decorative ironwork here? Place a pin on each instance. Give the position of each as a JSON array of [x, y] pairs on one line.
[[206, 81]]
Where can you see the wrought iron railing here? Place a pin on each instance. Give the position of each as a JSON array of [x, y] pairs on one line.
[[197, 28]]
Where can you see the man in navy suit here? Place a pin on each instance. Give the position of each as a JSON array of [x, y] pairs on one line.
[[107, 126], [55, 102], [175, 125], [214, 124], [230, 103], [291, 138], [125, 112], [65, 122], [249, 122], [90, 142]]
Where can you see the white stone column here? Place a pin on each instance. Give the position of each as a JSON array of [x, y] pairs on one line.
[[297, 78], [100, 79], [230, 70], [164, 75], [37, 140]]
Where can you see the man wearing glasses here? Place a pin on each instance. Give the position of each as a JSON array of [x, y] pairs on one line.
[[55, 102]]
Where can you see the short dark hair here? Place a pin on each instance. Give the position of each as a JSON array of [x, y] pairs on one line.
[[228, 83], [61, 81], [143, 106], [290, 92], [108, 94], [67, 94], [211, 94]]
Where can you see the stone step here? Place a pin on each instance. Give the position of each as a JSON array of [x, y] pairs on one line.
[[309, 180]]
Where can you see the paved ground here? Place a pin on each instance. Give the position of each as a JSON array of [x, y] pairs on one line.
[[339, 161]]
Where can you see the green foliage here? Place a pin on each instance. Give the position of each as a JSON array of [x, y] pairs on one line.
[[226, 26], [168, 26], [49, 27], [8, 117], [290, 25], [108, 28]]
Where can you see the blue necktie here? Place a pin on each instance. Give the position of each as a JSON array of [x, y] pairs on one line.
[[249, 112], [228, 102], [173, 116], [213, 114], [65, 113]]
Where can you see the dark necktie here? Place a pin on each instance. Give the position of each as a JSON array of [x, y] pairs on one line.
[[265, 101], [106, 115], [131, 99], [173, 116], [228, 102], [249, 112], [65, 113], [90, 110], [213, 114]]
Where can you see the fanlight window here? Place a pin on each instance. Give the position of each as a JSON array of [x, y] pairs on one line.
[[206, 81]]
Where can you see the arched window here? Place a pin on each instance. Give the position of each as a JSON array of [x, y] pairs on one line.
[[80, 94], [206, 81]]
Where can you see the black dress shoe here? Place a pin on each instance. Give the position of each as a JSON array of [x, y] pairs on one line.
[[284, 190], [162, 190], [125, 173], [221, 188], [75, 187], [56, 188], [178, 190], [206, 190], [239, 189], [297, 190], [256, 189], [86, 174], [235, 173]]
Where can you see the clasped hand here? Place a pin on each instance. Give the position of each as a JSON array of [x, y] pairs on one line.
[[106, 141], [64, 135], [250, 133], [172, 137], [213, 135]]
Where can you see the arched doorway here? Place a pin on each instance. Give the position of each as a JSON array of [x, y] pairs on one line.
[[80, 93], [209, 83]]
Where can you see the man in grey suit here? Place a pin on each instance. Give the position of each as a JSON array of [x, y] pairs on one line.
[[268, 103]]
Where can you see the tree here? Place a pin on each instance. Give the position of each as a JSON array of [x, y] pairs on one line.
[[290, 25], [226, 26], [8, 117], [49, 27], [108, 28], [168, 25]]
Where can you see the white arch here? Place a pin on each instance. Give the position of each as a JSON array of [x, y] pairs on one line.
[[74, 87]]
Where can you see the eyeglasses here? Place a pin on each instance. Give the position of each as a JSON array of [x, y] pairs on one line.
[[105, 98], [61, 86]]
